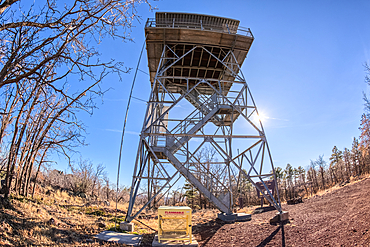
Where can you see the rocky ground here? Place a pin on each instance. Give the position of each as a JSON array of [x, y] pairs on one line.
[[340, 217]]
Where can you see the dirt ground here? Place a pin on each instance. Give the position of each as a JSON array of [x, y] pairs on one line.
[[337, 217], [340, 217]]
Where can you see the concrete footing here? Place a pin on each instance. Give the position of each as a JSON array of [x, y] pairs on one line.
[[127, 226], [118, 237], [280, 217], [284, 216], [174, 243], [234, 217]]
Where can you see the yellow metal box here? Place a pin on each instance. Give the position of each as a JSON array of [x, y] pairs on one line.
[[174, 223]]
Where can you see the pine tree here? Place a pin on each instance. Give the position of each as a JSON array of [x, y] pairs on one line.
[[364, 144], [347, 162], [335, 158], [289, 177], [356, 156], [190, 194]]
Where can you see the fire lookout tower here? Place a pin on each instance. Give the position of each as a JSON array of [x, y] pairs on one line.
[[201, 121]]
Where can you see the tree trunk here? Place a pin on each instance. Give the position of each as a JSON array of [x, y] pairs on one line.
[[38, 169]]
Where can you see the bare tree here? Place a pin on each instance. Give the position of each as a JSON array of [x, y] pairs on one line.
[[204, 169], [97, 178], [322, 165], [60, 34], [55, 178], [312, 177], [85, 177], [44, 46]]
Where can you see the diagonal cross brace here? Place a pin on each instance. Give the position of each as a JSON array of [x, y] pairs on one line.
[[194, 130], [195, 182]]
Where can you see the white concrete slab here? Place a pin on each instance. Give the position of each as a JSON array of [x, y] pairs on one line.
[[122, 238]]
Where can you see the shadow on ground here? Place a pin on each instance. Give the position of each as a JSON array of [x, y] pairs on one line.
[[207, 230], [280, 228]]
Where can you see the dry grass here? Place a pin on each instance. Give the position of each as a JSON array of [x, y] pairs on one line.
[[47, 221], [335, 187], [58, 219]]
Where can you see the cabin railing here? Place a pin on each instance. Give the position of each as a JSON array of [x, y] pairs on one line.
[[223, 28]]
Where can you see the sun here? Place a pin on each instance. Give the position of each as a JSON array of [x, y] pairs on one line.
[[261, 116]]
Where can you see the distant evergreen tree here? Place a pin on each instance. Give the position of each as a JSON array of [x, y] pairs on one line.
[[356, 156], [335, 158], [289, 172], [190, 194]]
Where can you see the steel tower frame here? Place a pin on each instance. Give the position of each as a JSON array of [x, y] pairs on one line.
[[169, 147]]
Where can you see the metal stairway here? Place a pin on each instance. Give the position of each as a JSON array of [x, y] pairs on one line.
[[188, 127], [228, 116], [221, 201]]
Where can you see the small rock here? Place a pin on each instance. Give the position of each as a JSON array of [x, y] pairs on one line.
[[82, 195], [51, 221], [101, 225]]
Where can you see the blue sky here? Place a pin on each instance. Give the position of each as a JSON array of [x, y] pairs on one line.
[[305, 71]]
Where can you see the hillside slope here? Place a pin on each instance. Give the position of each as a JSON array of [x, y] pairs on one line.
[[337, 218]]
